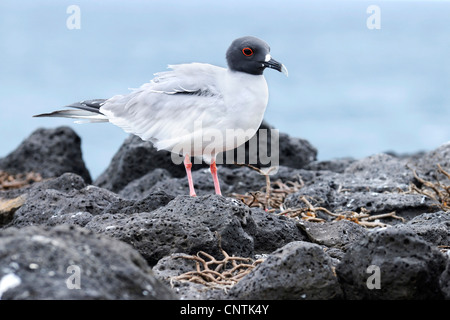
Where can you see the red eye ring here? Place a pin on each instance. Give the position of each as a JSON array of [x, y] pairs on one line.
[[247, 51]]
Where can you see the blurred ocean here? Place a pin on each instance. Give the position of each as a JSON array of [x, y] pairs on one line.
[[351, 91]]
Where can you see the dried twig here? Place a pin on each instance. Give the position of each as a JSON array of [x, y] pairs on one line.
[[10, 181], [271, 197], [444, 249], [217, 273], [363, 218], [434, 190], [210, 271], [306, 213]]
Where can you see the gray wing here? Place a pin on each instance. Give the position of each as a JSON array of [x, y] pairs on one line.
[[165, 110]]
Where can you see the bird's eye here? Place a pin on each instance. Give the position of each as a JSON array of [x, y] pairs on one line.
[[247, 51]]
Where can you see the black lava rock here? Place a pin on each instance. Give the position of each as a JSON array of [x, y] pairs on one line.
[[67, 199], [68, 262], [433, 227], [50, 152], [377, 184], [269, 147], [186, 224], [407, 267], [138, 214], [273, 231], [336, 234], [299, 270], [135, 159], [444, 281]]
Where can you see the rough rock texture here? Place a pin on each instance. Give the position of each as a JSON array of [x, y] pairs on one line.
[[444, 281], [432, 227], [295, 152], [289, 151], [272, 232], [67, 199], [336, 234], [185, 224], [50, 152], [50, 204], [426, 165], [243, 179], [376, 184], [139, 207], [409, 267], [378, 173], [140, 188], [299, 270], [134, 159], [203, 184], [39, 263], [232, 180], [336, 165]]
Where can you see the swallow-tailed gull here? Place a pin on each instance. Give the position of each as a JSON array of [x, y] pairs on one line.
[[195, 109]]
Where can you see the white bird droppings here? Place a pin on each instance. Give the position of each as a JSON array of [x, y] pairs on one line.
[[9, 281]]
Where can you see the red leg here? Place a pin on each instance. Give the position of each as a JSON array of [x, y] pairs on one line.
[[215, 179], [188, 166]]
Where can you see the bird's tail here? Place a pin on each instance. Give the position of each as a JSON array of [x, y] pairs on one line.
[[86, 111]]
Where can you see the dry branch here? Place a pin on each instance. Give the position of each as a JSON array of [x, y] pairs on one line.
[[10, 181]]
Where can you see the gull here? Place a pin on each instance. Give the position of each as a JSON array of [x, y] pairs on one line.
[[194, 109]]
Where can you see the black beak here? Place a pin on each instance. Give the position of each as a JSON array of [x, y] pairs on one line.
[[274, 64]]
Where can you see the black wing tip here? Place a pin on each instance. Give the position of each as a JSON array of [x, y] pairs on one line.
[[50, 114], [41, 115]]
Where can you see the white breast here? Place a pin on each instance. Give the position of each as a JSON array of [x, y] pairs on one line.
[[244, 103], [246, 98]]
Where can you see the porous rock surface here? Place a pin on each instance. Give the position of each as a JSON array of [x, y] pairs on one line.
[[139, 210]]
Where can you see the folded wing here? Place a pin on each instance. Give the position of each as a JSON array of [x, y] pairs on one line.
[[166, 109]]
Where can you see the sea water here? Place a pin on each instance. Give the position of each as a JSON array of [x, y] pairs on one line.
[[352, 90]]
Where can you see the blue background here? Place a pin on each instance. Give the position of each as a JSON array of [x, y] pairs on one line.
[[351, 91]]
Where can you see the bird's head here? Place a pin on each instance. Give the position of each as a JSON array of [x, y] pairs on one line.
[[252, 55]]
